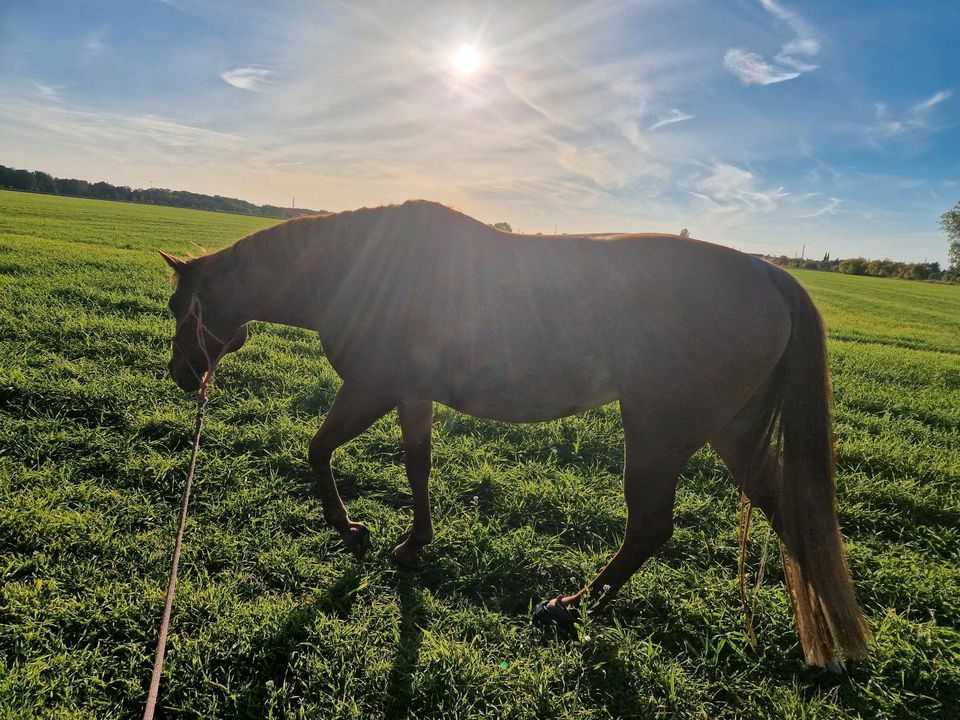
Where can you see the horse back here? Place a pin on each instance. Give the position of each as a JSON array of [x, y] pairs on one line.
[[531, 327]]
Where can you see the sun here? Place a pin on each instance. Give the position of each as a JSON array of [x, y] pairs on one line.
[[465, 60]]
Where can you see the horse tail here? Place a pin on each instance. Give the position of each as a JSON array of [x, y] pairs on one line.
[[829, 620]]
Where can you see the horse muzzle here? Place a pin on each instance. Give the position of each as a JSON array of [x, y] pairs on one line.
[[183, 375]]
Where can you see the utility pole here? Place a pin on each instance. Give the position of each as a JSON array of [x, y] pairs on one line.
[[293, 202]]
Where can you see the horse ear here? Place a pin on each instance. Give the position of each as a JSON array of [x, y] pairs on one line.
[[176, 264]]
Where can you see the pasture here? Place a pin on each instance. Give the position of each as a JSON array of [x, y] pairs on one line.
[[274, 619]]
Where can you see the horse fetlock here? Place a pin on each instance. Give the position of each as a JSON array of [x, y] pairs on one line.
[[419, 538], [336, 517]]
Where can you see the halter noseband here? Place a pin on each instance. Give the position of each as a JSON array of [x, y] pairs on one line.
[[196, 311]]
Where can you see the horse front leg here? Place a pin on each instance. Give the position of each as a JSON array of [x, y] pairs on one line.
[[416, 425], [354, 409]]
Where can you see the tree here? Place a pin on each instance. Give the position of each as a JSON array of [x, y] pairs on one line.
[[102, 190], [852, 266], [950, 222], [684, 233], [45, 182], [505, 226], [915, 271]]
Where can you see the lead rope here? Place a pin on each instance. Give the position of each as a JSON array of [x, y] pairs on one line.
[[205, 381], [172, 582]]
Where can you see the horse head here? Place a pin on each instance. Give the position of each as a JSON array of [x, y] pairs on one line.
[[207, 325]]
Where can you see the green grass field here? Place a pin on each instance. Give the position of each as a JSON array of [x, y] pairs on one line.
[[274, 619]]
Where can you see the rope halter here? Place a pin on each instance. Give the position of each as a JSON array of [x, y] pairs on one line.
[[196, 311]]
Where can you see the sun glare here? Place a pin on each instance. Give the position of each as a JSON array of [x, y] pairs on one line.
[[465, 60]]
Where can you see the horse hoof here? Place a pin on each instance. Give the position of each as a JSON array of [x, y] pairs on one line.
[[405, 558], [556, 615], [358, 541]]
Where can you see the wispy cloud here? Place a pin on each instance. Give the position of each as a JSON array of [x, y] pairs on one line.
[[805, 40], [921, 183], [753, 69], [247, 78], [674, 116], [93, 44], [931, 101], [48, 92], [731, 190], [885, 125], [93, 41], [829, 209], [157, 137]]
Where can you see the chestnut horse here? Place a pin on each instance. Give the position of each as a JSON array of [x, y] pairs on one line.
[[419, 303]]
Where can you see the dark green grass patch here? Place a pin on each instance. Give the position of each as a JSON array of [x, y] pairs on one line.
[[274, 619]]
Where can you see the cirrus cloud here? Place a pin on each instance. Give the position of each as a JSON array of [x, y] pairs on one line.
[[247, 78], [753, 69], [829, 209], [732, 191], [916, 118], [674, 116]]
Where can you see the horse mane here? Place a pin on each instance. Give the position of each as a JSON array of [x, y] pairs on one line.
[[248, 250]]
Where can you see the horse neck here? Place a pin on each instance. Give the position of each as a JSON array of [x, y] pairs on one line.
[[265, 278]]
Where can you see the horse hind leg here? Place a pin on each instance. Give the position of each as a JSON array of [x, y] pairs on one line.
[[744, 446], [652, 464]]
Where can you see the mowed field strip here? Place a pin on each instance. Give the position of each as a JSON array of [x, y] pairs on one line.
[[274, 619]]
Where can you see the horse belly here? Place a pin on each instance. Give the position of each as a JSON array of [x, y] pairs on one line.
[[542, 392]]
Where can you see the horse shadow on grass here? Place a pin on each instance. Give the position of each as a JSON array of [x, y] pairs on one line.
[[413, 617], [272, 666], [269, 665], [608, 679]]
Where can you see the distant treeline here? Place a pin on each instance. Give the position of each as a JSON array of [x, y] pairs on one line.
[[874, 268], [41, 182]]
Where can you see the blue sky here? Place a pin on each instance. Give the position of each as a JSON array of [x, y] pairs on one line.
[[762, 124]]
